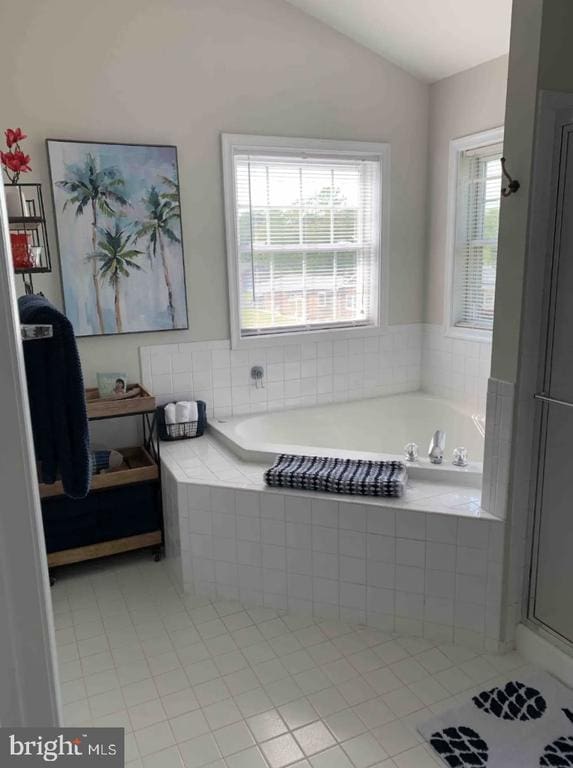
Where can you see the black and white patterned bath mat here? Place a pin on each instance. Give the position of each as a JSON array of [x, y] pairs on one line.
[[523, 723]]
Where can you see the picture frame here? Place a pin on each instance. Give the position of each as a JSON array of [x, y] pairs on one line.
[[112, 384], [117, 209]]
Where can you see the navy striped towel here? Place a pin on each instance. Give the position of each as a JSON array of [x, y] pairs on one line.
[[354, 476]]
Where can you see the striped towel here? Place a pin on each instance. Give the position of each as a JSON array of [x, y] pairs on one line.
[[354, 476]]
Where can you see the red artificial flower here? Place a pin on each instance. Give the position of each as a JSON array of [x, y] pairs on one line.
[[17, 161], [13, 136]]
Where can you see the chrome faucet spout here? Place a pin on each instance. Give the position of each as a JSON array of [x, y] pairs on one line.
[[437, 447]]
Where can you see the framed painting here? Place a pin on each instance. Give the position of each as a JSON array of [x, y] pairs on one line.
[[118, 221]]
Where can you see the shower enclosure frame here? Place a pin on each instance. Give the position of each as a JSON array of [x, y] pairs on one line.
[[554, 110]]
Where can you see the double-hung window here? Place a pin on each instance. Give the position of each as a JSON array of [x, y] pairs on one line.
[[475, 222], [304, 232]]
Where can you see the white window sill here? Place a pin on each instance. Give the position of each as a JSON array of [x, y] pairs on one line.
[[469, 334], [302, 337]]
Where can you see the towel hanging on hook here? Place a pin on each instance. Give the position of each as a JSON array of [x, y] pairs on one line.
[[513, 184]]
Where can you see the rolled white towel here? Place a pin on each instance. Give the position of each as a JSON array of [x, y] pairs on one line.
[[193, 411], [170, 413], [186, 411]]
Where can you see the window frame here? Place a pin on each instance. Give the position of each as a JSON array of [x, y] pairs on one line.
[[232, 143], [457, 147]]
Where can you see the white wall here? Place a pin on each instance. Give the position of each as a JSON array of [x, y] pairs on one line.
[[183, 71], [460, 105]]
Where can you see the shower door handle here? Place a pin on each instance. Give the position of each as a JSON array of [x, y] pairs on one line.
[[552, 400]]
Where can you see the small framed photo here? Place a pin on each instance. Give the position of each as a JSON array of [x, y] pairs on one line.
[[112, 384]]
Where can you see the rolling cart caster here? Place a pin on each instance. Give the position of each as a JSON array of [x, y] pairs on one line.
[[52, 579], [157, 556]]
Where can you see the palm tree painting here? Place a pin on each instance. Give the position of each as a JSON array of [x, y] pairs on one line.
[[156, 228], [110, 201], [86, 186], [115, 259]]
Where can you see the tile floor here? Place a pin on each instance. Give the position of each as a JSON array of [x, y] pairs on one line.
[[200, 683]]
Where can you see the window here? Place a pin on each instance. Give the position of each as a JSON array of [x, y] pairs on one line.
[[477, 195], [303, 234]]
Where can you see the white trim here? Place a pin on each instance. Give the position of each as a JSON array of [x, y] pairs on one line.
[[473, 141], [543, 651], [28, 672], [367, 149]]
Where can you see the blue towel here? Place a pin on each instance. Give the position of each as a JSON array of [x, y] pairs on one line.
[[57, 399]]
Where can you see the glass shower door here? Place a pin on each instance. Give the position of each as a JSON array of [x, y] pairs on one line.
[[552, 588]]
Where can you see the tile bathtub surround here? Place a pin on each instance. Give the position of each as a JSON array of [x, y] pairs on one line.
[[497, 449], [455, 369], [296, 374], [401, 358], [198, 682], [383, 563]]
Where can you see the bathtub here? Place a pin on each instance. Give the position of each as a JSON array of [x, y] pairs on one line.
[[376, 428]]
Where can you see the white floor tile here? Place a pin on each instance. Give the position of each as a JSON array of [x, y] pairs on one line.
[[138, 693], [189, 726], [281, 751], [202, 750], [180, 702], [106, 703], [148, 713], [332, 758], [314, 738], [395, 738], [345, 725], [298, 713], [201, 683], [364, 751], [267, 725], [154, 738], [250, 758], [167, 758], [234, 738]]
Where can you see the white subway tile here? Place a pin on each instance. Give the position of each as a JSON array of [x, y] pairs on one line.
[[380, 574], [353, 569], [298, 509], [324, 539], [380, 520], [410, 525], [352, 543], [410, 552], [324, 512], [440, 556], [325, 565]]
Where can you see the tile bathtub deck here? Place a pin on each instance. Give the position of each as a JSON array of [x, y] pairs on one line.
[[206, 461], [197, 682]]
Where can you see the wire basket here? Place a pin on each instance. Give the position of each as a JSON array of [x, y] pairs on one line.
[[184, 430]]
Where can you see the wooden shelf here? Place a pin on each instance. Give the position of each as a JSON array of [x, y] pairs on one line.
[[138, 467], [104, 548], [108, 408]]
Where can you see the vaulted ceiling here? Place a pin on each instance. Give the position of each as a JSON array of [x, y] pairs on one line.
[[432, 39]]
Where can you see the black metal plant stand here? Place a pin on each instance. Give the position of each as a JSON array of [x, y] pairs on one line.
[[28, 233]]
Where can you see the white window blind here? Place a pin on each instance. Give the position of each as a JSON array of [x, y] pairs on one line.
[[477, 223], [308, 241]]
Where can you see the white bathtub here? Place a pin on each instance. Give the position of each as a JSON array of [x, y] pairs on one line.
[[374, 428]]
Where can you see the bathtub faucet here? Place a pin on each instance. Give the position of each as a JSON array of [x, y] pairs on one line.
[[437, 447]]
